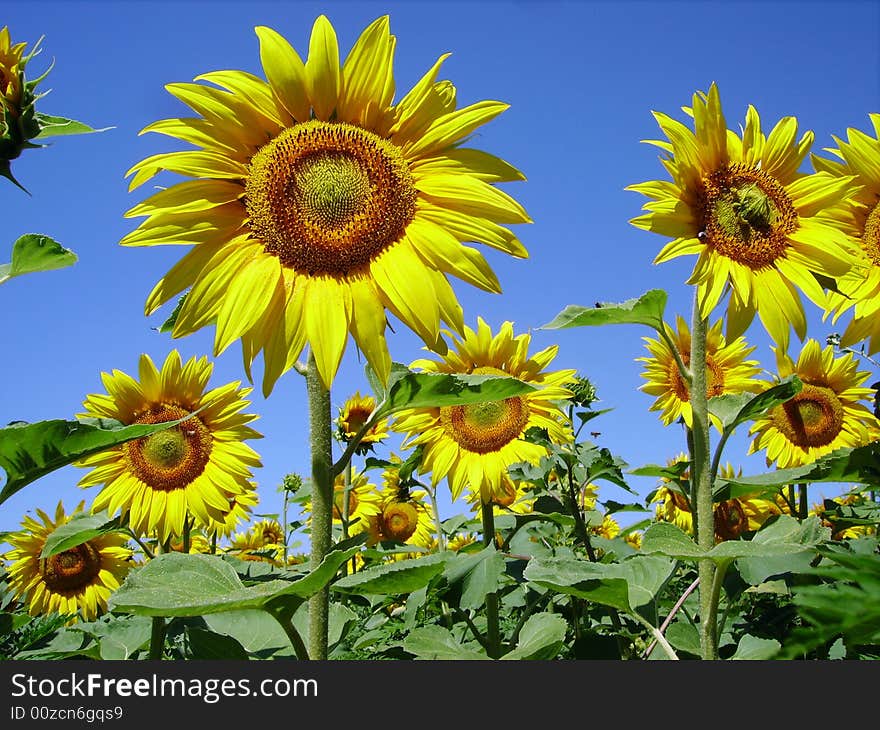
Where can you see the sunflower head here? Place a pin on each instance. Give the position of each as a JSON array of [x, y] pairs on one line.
[[473, 445], [353, 415], [831, 410], [195, 470], [76, 582], [405, 516], [318, 204], [727, 370], [740, 204]]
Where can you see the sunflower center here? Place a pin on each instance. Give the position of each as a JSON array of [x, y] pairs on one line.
[[871, 235], [355, 419], [747, 215], [328, 197], [399, 521], [714, 378], [486, 427], [173, 458], [72, 569], [730, 519], [814, 417]]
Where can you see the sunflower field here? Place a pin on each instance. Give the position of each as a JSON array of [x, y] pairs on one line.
[[317, 210]]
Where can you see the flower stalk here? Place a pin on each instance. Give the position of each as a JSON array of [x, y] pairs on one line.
[[493, 635]]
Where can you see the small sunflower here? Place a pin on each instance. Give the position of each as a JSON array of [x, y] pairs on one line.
[[316, 203], [841, 530], [271, 532], [727, 371], [830, 411], [634, 539], [11, 67], [473, 445], [77, 581], [238, 511], [513, 496], [741, 205], [406, 517], [194, 469], [609, 528], [198, 544], [364, 502], [462, 541], [860, 289], [253, 546], [353, 415]]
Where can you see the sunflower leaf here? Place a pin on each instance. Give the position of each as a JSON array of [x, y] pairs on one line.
[[407, 389], [737, 408], [435, 642], [29, 451], [35, 252], [175, 584], [541, 637], [647, 309], [77, 530], [400, 577], [860, 464], [168, 324], [51, 126]]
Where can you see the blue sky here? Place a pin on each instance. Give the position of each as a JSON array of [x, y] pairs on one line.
[[582, 79]]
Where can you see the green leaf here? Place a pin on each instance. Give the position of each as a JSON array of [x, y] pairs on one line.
[[35, 252], [683, 636], [31, 450], [81, 528], [626, 585], [255, 630], [51, 126], [540, 638], [646, 309], [734, 409], [435, 642], [480, 573], [756, 648], [175, 584], [169, 323], [339, 622], [203, 644], [433, 390], [404, 576], [121, 636], [861, 465]]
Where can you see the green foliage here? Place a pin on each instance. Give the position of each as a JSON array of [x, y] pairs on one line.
[[646, 309], [79, 529], [734, 409], [35, 252], [393, 578]]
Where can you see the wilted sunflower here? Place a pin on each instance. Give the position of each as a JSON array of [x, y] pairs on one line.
[[317, 203], [830, 411], [76, 581], [473, 445], [860, 288], [727, 371], [194, 468], [353, 415], [740, 203]]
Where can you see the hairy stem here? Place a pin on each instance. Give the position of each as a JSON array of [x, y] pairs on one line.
[[493, 636], [320, 438]]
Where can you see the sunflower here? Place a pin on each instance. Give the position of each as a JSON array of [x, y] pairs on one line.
[[727, 370], [742, 206], [317, 203], [364, 502], [462, 541], [271, 532], [634, 539], [513, 496], [11, 67], [830, 411], [860, 289], [198, 544], [609, 528], [77, 581], [473, 445], [254, 545], [238, 511], [841, 529], [192, 469], [353, 415]]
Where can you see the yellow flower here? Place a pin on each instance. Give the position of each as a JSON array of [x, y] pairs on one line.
[[634, 539], [364, 502], [270, 531], [194, 468], [11, 68], [609, 528], [473, 445], [860, 156], [317, 203], [512, 496], [253, 547], [741, 205], [827, 414], [77, 581], [727, 371], [461, 541], [353, 415], [198, 543], [238, 511], [844, 531]]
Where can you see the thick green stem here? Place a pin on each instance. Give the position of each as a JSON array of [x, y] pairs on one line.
[[493, 635], [299, 646], [322, 502], [803, 507], [701, 479], [157, 637]]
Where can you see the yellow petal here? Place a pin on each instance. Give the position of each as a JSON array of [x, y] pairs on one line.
[[365, 75], [286, 73], [246, 299], [188, 197], [474, 197], [368, 325], [322, 68], [327, 310], [452, 127], [442, 251]]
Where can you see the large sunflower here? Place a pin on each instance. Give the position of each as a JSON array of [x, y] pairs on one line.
[[317, 203], [860, 289], [473, 445], [194, 469], [77, 581], [727, 370], [741, 205], [830, 411]]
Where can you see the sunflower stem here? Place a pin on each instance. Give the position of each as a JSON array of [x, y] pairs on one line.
[[345, 510], [321, 444], [284, 620], [493, 636], [157, 637], [701, 481], [803, 508], [438, 525]]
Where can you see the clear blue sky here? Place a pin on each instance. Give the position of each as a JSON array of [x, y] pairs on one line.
[[582, 79]]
